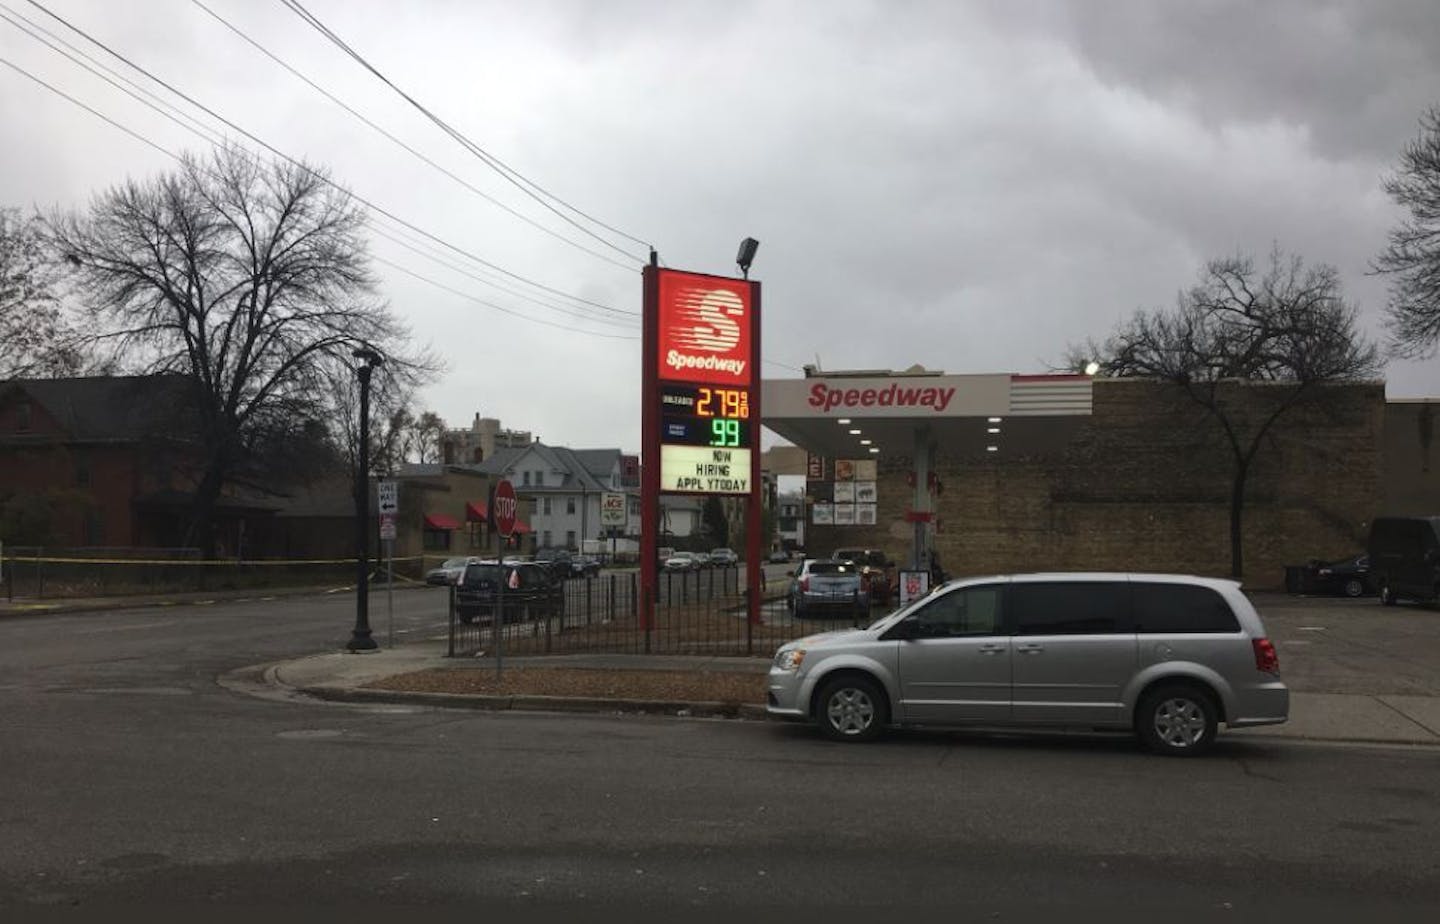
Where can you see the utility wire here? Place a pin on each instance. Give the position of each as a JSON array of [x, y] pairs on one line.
[[178, 159], [319, 176], [489, 304], [343, 105], [530, 188]]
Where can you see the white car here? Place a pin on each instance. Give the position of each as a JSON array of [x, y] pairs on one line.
[[682, 561]]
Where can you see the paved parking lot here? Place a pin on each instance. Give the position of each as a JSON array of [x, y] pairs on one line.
[[1337, 645]]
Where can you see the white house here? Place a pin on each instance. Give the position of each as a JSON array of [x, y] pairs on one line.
[[565, 486]]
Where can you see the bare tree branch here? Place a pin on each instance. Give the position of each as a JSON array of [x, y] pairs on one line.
[[1287, 326], [251, 278]]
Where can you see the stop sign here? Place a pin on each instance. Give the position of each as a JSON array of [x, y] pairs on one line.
[[504, 508]]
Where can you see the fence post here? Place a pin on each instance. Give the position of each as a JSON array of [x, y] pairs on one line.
[[610, 610], [451, 618], [749, 626], [587, 601]]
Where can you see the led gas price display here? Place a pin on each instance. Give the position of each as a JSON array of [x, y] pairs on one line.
[[705, 416]]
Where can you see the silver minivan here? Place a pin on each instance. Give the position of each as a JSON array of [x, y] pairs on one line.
[[1170, 656]]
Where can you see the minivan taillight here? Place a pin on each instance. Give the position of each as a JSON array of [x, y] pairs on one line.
[[1265, 657], [805, 582]]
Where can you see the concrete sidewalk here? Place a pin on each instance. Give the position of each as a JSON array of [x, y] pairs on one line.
[[341, 676]]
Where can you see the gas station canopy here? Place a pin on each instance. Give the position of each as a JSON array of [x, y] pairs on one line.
[[1005, 414]]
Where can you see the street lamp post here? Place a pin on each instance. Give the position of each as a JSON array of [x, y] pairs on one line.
[[360, 639]]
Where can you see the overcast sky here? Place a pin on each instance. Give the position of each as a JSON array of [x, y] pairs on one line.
[[969, 186]]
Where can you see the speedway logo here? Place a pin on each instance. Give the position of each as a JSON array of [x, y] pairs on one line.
[[828, 399], [705, 326]]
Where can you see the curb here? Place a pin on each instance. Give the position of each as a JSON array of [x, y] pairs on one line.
[[530, 703]]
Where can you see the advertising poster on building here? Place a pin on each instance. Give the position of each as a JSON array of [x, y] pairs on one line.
[[814, 467], [866, 469], [823, 514], [844, 492], [865, 492], [865, 514], [844, 514], [844, 470]]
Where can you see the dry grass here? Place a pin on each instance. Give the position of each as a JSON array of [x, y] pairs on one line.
[[671, 686]]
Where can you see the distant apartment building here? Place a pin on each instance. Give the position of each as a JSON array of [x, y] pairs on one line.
[[479, 442]]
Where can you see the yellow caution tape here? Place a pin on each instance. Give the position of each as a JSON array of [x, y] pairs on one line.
[[188, 561]]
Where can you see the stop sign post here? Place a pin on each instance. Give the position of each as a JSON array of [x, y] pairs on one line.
[[503, 507]]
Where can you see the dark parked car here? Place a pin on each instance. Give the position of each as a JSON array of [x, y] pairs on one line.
[[876, 567], [449, 570], [1405, 558], [1348, 576], [559, 562], [584, 566], [530, 592]]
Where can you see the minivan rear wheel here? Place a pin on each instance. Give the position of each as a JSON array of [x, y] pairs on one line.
[[1354, 587], [851, 708], [1177, 720]]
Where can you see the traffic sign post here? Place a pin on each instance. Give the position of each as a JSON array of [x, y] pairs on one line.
[[503, 508], [387, 495]]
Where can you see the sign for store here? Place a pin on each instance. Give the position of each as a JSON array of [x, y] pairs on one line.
[[612, 509]]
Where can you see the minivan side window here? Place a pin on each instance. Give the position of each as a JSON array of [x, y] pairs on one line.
[[1070, 607], [1181, 608], [967, 612]]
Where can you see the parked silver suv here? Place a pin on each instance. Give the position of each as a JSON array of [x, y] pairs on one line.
[[1170, 656]]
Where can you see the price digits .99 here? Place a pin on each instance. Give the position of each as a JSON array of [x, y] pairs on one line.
[[724, 432]]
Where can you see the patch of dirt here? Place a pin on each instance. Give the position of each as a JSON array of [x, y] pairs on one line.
[[675, 686]]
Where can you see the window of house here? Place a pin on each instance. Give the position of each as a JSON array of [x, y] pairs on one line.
[[569, 538], [569, 505], [527, 479], [1070, 607], [634, 506], [540, 478], [546, 506], [548, 542]]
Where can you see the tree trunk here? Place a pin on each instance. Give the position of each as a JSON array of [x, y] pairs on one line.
[[1237, 509], [202, 517]]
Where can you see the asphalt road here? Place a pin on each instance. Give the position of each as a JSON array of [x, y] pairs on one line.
[[129, 777]]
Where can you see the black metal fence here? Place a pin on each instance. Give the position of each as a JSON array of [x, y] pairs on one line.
[[700, 612]]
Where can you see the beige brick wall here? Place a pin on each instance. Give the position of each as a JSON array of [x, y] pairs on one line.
[[1145, 486]]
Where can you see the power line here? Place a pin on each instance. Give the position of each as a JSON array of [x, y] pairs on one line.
[[177, 158], [319, 176], [530, 188], [343, 105], [489, 304]]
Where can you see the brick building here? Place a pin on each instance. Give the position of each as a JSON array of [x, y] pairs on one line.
[[1140, 480]]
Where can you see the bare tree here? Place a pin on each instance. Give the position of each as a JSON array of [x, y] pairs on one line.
[[1287, 325], [250, 278], [1412, 257], [37, 337]]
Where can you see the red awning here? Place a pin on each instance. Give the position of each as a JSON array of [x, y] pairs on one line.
[[475, 512], [522, 527], [440, 521]]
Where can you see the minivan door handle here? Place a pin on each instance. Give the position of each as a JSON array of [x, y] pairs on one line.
[[1030, 648], [990, 649]]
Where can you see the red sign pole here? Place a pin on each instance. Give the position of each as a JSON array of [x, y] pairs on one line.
[[503, 510], [650, 447]]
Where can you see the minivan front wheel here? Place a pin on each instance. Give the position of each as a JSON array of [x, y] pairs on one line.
[[1177, 720], [851, 708]]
